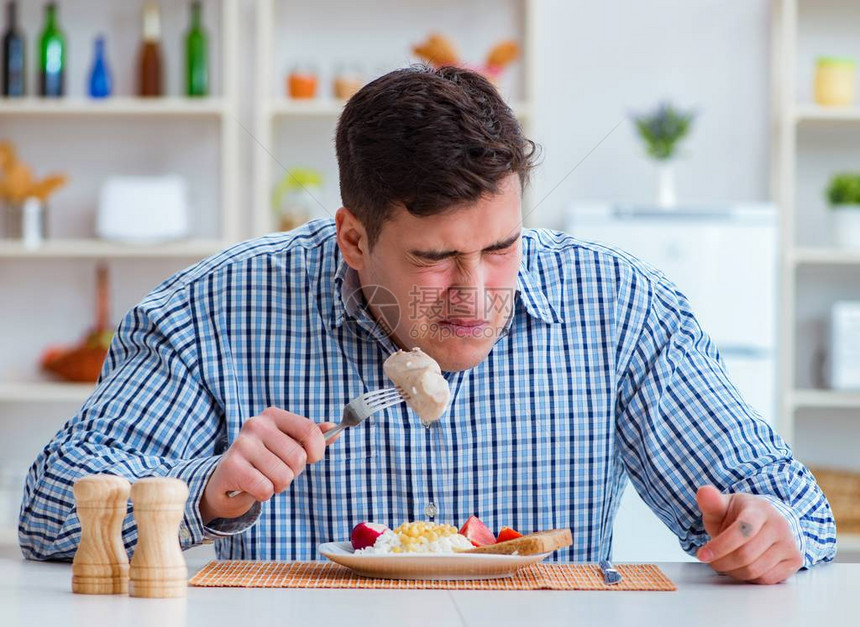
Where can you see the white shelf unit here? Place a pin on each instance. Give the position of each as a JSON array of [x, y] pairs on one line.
[[796, 117], [47, 290], [810, 142], [221, 108], [276, 143], [215, 115]]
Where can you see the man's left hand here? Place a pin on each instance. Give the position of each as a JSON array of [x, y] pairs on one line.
[[750, 540]]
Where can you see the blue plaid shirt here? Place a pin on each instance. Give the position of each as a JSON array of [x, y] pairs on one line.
[[603, 374]]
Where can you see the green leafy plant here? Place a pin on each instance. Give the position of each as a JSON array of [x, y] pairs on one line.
[[844, 189], [663, 129]]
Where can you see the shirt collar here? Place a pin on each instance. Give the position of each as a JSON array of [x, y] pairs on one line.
[[341, 292], [534, 298], [347, 298]]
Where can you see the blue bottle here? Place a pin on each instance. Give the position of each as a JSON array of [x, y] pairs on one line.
[[100, 79]]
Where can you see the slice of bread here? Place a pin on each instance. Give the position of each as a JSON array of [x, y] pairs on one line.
[[532, 544]]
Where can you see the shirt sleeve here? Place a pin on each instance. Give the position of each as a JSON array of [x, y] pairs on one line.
[[682, 424], [150, 416]]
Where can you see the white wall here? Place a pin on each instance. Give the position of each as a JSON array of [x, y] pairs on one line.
[[601, 60]]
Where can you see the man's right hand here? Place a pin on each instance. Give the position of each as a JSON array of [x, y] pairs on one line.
[[271, 450]]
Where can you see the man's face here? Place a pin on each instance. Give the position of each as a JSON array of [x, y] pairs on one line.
[[453, 276]]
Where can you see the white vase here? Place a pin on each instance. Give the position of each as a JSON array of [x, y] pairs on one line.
[[26, 221], [666, 198], [845, 225]]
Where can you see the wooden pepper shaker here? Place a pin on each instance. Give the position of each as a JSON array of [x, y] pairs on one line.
[[101, 564], [158, 567]]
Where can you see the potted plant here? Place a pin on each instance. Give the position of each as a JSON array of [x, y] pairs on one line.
[[844, 196], [24, 198], [662, 130]]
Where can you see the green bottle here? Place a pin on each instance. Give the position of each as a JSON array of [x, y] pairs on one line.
[[52, 55], [197, 54]]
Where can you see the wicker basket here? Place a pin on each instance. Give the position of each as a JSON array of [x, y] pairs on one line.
[[842, 489]]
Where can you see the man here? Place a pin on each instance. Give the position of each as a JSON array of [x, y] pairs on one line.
[[571, 366]]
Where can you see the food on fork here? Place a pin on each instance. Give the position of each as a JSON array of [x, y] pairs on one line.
[[420, 379]]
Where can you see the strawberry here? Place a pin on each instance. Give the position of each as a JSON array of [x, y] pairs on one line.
[[508, 533], [477, 532], [365, 534]]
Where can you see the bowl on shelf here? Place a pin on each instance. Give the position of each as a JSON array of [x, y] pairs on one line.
[[81, 364], [143, 209]]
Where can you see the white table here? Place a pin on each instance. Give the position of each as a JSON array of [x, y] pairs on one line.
[[35, 594]]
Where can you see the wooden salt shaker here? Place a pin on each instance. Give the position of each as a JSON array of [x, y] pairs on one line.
[[158, 567], [101, 564]]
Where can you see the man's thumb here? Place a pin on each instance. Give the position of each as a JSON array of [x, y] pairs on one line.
[[714, 506]]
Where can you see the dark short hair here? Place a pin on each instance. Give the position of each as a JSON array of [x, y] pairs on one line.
[[428, 139]]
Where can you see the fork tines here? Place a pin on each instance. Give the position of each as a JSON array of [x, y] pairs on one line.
[[387, 396]]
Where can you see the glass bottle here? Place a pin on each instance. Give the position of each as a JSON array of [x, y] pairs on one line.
[[149, 64], [14, 64], [52, 56], [196, 54], [100, 78]]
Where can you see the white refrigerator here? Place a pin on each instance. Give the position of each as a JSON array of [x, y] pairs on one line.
[[724, 258]]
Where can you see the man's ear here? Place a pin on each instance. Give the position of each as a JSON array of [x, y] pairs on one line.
[[351, 238]]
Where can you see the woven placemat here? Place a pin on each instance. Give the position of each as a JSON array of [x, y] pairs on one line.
[[251, 574]]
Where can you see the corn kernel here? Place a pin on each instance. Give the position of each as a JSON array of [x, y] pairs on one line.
[[415, 536]]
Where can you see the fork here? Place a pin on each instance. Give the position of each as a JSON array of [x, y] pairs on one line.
[[610, 575], [358, 410]]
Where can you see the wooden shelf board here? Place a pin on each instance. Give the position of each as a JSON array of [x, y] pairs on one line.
[[167, 106], [44, 391], [825, 399], [96, 249]]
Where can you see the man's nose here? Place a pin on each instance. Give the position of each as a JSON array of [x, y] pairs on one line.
[[465, 294]]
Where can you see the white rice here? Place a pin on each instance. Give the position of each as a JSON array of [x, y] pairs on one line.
[[389, 540]]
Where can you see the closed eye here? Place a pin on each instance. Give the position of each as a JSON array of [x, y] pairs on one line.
[[428, 263], [430, 258]]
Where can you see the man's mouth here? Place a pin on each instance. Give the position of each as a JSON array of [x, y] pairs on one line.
[[464, 327], [464, 322]]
